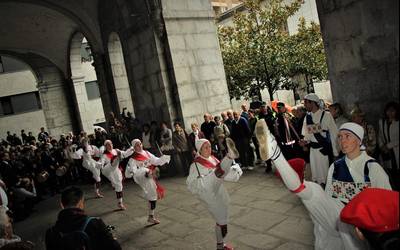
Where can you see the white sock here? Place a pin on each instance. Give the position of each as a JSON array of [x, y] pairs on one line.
[[151, 212], [218, 234], [119, 200]]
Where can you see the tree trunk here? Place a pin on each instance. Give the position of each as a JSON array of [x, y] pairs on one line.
[[271, 94]]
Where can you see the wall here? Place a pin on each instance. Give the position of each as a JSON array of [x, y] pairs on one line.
[[196, 58], [362, 43], [17, 83]]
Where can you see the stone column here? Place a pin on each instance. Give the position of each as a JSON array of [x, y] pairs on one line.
[[362, 44], [81, 102], [107, 92], [56, 107], [196, 58]]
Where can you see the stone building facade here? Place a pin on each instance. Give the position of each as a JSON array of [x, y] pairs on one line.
[[160, 58]]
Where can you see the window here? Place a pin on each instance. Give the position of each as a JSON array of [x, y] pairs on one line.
[[6, 108], [1, 66], [16, 104], [92, 90]]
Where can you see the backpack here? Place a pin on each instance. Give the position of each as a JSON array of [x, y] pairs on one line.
[[74, 240]]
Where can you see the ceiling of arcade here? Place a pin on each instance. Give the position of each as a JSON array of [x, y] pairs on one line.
[[45, 27]]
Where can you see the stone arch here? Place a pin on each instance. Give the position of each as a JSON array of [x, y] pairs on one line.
[[82, 72], [53, 91], [118, 70]]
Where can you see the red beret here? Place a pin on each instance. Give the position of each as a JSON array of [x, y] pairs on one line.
[[298, 165], [374, 209]]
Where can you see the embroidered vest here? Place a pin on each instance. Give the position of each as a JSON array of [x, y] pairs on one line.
[[343, 186]]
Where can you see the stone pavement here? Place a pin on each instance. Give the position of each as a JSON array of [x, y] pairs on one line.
[[263, 215]]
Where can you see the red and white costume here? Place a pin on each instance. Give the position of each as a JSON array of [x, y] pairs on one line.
[[111, 168], [90, 160], [204, 183], [141, 167], [330, 233]]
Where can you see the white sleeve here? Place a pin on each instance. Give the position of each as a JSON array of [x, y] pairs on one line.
[[77, 154], [127, 153], [304, 132], [234, 174], [378, 176], [394, 139], [203, 183], [381, 140], [159, 161], [328, 186], [129, 168], [333, 131]]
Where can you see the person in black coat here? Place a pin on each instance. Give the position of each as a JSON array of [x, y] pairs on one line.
[[72, 218], [241, 135]]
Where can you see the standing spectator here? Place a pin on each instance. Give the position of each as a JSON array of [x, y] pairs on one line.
[[73, 219], [252, 123], [166, 139], [221, 132], [9, 137], [267, 114], [224, 116], [154, 137], [337, 112], [16, 140], [180, 140], [30, 139], [320, 133], [240, 134], [23, 137], [228, 122], [43, 135], [115, 137], [389, 139], [207, 127], [146, 137], [285, 133], [194, 136], [370, 138], [245, 113]]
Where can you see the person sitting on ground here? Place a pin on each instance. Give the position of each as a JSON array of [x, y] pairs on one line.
[[73, 226], [7, 236]]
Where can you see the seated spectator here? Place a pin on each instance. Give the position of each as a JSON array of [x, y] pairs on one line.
[[75, 230], [6, 229]]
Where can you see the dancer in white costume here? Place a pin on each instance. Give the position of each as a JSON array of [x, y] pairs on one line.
[[329, 231], [110, 169], [206, 179], [90, 156], [141, 167]]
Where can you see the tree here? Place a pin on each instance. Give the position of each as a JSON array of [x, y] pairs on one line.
[[253, 49], [306, 54]]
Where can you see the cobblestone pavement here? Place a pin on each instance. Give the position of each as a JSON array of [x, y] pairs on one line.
[[263, 215]]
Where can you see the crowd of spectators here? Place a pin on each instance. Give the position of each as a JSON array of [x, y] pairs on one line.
[[33, 168]]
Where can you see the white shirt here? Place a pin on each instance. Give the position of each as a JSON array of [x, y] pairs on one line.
[[377, 175]]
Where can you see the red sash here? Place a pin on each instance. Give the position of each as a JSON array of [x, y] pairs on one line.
[[112, 158], [206, 163], [140, 157], [110, 155]]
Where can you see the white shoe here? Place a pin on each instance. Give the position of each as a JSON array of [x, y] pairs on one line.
[[268, 145], [153, 220], [250, 168], [232, 151]]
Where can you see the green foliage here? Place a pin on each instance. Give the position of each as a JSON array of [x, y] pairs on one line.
[[258, 52]]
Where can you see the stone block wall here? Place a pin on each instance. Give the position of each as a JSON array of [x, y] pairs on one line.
[[362, 44], [196, 58]]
